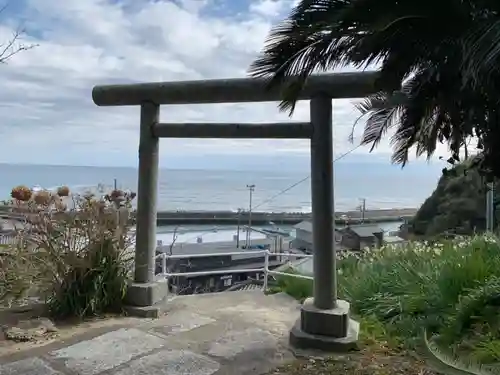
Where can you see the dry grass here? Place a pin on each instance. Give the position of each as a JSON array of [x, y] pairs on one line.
[[76, 260], [379, 354], [361, 363]]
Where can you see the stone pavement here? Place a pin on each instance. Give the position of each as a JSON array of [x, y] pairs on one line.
[[243, 332]]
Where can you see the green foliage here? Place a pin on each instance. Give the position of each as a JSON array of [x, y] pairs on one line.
[[446, 362], [296, 287], [449, 288], [374, 333], [92, 284], [487, 351], [481, 301], [457, 205], [445, 75]]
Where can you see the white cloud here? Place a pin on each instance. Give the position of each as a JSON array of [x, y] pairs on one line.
[[46, 107], [269, 8]]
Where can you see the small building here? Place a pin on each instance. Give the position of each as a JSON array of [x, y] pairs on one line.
[[357, 237], [304, 237]]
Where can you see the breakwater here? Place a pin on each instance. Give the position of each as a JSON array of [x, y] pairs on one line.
[[283, 218], [258, 217]]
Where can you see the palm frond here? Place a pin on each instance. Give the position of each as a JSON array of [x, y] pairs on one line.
[[321, 35], [482, 52], [383, 112], [305, 41], [430, 60], [449, 364]]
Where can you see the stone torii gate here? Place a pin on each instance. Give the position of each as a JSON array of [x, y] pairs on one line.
[[324, 320]]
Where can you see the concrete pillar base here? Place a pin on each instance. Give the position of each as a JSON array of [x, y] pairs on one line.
[[145, 299], [327, 330]]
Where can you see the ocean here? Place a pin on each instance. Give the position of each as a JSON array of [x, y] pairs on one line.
[[382, 185]]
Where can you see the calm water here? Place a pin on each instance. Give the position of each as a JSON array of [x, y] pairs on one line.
[[383, 186]]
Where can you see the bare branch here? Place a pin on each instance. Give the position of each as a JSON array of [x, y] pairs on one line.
[[174, 239], [14, 45]]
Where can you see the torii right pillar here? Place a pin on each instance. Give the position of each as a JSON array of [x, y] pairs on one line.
[[324, 321]]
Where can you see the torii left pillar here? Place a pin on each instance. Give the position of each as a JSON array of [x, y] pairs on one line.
[[145, 294]]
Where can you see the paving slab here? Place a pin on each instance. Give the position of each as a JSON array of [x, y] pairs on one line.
[[182, 322], [107, 351], [171, 362], [236, 342], [28, 366], [242, 333]]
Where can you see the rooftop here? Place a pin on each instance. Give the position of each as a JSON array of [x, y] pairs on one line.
[[214, 247], [365, 230], [304, 225], [308, 227]]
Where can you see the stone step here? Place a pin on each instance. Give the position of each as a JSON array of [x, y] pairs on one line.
[[243, 332]]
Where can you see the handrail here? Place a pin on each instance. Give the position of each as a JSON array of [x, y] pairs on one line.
[[203, 255], [164, 256]]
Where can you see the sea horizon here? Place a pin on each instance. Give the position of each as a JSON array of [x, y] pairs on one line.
[[383, 186]]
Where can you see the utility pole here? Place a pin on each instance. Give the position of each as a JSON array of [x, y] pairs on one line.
[[362, 208], [238, 232], [490, 203], [251, 189], [115, 184]]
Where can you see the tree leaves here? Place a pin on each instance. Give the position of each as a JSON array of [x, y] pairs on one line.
[[443, 58]]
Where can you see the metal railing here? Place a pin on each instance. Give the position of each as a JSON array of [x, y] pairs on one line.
[[265, 270], [7, 237]]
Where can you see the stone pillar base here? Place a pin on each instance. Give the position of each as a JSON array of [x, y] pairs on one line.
[[146, 299], [328, 330]]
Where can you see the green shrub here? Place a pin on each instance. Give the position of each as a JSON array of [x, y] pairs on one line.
[[450, 289], [296, 287], [81, 255], [419, 285]]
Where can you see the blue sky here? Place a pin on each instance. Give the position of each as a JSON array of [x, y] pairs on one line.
[[45, 104]]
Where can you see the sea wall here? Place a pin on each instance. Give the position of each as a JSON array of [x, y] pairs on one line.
[[288, 218], [260, 217]]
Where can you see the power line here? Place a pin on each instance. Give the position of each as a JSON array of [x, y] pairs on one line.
[[273, 197], [200, 234], [301, 181], [282, 192]]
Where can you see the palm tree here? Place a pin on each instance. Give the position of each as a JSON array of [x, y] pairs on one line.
[[429, 51]]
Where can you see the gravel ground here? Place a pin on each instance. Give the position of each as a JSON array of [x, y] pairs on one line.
[[365, 362]]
